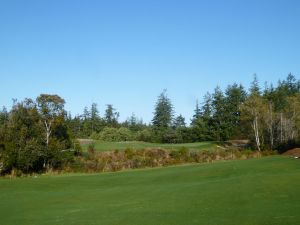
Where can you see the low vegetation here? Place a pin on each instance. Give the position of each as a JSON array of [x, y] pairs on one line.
[[139, 145], [117, 160]]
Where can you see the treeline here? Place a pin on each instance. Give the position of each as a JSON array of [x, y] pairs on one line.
[[268, 117], [37, 135]]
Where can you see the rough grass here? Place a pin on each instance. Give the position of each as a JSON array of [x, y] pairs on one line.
[[248, 192], [136, 145]]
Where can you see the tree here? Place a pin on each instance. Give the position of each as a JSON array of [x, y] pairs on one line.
[[3, 116], [50, 107], [202, 121], [86, 122], [111, 116], [254, 88], [134, 123], [179, 122], [254, 111], [96, 122], [163, 113], [207, 110], [219, 115], [23, 144], [291, 119], [235, 95], [197, 113], [291, 84], [270, 116]]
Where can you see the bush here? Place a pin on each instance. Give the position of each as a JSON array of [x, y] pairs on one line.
[[91, 150], [124, 134], [77, 148], [95, 136], [144, 135], [112, 134]]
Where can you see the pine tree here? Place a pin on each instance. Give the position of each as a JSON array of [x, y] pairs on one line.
[[179, 122], [111, 116], [95, 118], [197, 113], [3, 115], [254, 88], [235, 95], [163, 113], [219, 131]]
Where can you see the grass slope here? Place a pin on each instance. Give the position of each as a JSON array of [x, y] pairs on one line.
[[258, 191], [135, 145]]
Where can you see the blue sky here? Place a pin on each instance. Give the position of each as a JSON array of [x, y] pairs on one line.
[[127, 52]]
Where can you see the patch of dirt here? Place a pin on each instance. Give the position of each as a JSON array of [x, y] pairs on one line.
[[293, 152]]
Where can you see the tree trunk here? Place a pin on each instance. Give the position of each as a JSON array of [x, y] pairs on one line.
[[256, 132], [48, 133], [281, 130], [271, 126]]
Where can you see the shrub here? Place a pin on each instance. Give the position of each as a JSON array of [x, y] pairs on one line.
[[124, 134], [114, 134], [91, 150], [144, 135]]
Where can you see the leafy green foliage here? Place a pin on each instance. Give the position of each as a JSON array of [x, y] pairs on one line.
[[114, 134], [25, 147]]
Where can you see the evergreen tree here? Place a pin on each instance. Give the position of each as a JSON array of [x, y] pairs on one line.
[[94, 112], [179, 122], [219, 131], [163, 113], [197, 113], [235, 95], [3, 116], [291, 85], [134, 123], [206, 110], [96, 122], [202, 121], [254, 88], [111, 116], [86, 114]]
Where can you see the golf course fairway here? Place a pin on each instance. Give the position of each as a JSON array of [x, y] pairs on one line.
[[263, 191]]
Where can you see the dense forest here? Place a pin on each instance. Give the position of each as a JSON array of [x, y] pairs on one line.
[[37, 135]]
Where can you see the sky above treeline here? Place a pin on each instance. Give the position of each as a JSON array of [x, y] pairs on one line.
[[126, 52]]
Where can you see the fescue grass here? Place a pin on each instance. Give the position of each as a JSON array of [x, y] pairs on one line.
[[136, 145], [246, 192]]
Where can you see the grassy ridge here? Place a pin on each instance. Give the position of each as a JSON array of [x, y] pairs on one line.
[[136, 145], [258, 191]]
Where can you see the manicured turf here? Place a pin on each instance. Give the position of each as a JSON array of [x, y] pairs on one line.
[[135, 145], [258, 191]]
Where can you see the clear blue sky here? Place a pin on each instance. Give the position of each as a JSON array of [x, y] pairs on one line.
[[127, 52]]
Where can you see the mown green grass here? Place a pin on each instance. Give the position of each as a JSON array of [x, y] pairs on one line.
[[249, 192], [135, 145]]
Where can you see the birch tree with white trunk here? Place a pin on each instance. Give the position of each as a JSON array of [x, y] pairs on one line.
[[50, 107]]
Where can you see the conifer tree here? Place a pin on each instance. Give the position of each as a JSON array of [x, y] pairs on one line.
[[163, 113]]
